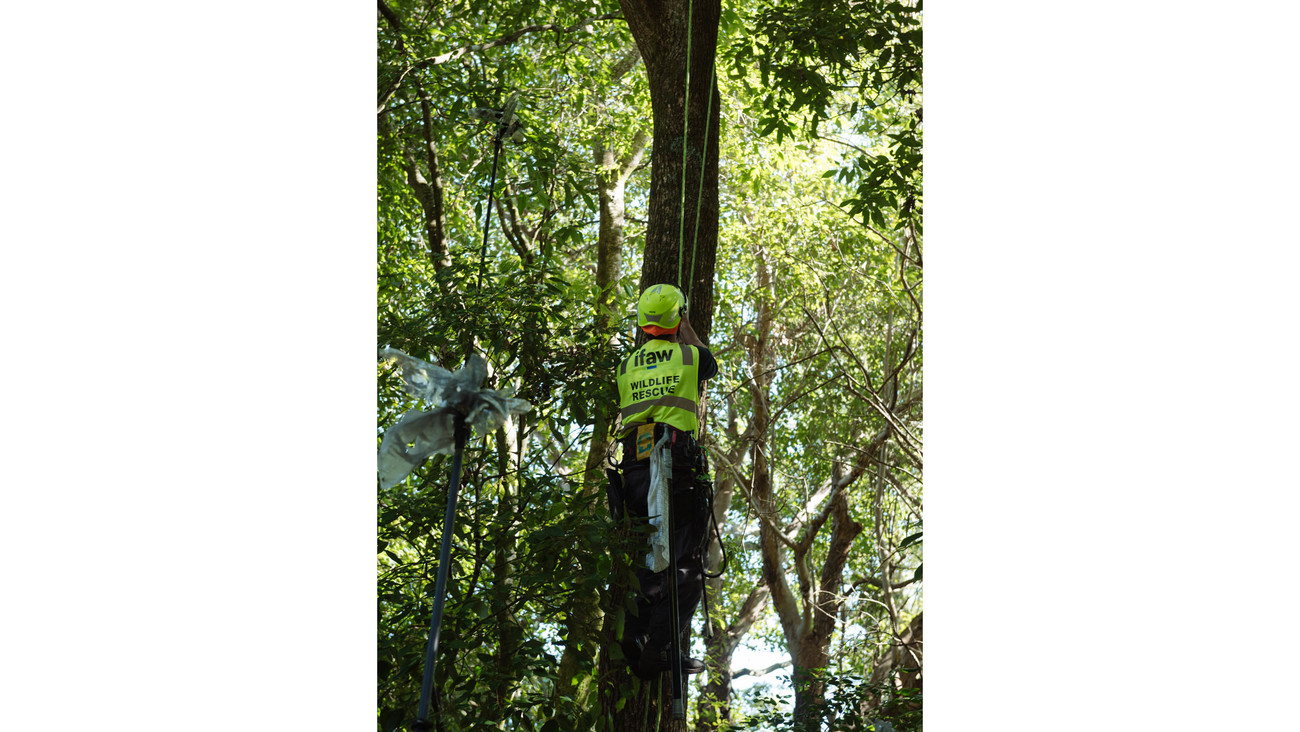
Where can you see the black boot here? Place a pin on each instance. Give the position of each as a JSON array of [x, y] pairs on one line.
[[632, 646]]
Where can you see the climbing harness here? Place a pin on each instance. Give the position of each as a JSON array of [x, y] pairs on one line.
[[722, 569]]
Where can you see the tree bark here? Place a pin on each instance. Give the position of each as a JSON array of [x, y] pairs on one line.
[[682, 191]]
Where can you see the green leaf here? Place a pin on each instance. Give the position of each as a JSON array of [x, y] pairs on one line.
[[914, 538]]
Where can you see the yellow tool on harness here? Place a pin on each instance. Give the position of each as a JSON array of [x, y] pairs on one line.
[[645, 440]]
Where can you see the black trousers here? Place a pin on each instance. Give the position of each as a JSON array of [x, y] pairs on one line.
[[690, 518]]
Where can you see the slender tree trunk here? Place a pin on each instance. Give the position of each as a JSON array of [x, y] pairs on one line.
[[808, 618], [582, 625], [508, 630], [721, 643]]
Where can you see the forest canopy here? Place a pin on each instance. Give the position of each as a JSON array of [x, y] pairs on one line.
[[776, 177]]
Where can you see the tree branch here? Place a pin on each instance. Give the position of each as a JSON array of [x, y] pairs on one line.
[[875, 582], [624, 64], [392, 18], [843, 532], [632, 161], [906, 438], [762, 671], [749, 612]]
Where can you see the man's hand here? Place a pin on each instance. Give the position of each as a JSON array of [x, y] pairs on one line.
[[687, 334]]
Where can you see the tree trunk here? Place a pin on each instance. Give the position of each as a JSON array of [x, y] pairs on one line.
[[683, 193], [582, 625], [715, 701], [813, 657], [902, 663], [685, 124], [508, 629], [808, 618]]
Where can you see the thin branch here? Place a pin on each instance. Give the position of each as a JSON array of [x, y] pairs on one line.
[[913, 505], [901, 252], [908, 354], [870, 398], [790, 402], [845, 144], [774, 369], [511, 229]]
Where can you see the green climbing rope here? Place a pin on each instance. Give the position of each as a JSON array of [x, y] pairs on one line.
[[699, 197], [686, 126], [704, 156]]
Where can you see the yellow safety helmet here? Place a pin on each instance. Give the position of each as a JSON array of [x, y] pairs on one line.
[[661, 306]]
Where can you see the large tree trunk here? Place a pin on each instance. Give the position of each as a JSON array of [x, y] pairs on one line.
[[672, 242], [685, 126]]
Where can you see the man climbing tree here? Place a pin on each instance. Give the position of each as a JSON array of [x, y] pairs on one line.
[[659, 390]]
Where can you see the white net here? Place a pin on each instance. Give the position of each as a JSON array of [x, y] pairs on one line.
[[420, 434]]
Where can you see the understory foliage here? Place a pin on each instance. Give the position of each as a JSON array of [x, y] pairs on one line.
[[814, 424], [521, 529]]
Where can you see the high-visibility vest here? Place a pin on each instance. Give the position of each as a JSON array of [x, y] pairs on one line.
[[660, 382]]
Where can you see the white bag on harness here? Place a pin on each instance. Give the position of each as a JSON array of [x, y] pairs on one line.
[[659, 502]]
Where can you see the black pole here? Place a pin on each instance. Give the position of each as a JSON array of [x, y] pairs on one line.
[[440, 589], [492, 185], [674, 650]]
